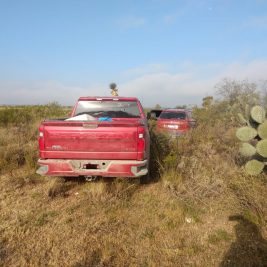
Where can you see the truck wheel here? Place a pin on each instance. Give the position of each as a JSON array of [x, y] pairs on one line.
[[145, 179]]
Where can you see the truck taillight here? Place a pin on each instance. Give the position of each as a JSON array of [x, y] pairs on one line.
[[41, 138], [185, 126], [141, 143]]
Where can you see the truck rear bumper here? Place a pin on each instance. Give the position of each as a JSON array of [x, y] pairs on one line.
[[104, 168], [173, 133]]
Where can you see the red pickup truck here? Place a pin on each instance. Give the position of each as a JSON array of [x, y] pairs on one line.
[[104, 137], [175, 121]]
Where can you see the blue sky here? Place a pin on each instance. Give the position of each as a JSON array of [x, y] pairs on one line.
[[162, 51]]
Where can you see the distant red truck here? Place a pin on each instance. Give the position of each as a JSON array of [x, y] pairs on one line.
[[175, 121], [105, 136]]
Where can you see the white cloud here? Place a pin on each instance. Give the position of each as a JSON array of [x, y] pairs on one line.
[[257, 22], [190, 85], [130, 22], [152, 84], [254, 70], [172, 17], [150, 68], [28, 92]]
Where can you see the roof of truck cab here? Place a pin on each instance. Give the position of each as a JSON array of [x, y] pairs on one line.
[[115, 98], [174, 110]]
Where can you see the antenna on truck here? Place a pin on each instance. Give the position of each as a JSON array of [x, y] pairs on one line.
[[114, 90]]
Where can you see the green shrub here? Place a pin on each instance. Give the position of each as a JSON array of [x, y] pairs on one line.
[[19, 134], [201, 165], [160, 148], [30, 114]]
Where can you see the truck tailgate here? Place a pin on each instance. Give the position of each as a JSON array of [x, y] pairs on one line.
[[90, 140]]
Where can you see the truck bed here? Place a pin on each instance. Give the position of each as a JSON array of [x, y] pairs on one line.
[[90, 140]]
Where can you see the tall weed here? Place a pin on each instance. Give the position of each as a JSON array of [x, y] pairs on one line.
[[19, 133]]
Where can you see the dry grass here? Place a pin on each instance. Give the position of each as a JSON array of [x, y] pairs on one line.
[[109, 224], [202, 212], [92, 226]]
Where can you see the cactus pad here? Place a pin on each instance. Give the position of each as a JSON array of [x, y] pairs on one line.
[[247, 150], [254, 139], [254, 167], [262, 148], [247, 111], [262, 130], [246, 133], [258, 113], [242, 119]]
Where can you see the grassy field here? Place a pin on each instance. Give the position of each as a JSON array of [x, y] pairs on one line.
[[200, 209]]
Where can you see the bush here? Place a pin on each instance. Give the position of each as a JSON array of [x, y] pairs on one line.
[[160, 147], [204, 164], [19, 134], [26, 115]]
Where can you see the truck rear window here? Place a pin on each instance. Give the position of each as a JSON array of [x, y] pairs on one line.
[[112, 109], [173, 115]]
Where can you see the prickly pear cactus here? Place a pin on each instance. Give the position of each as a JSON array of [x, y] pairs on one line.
[[262, 130], [262, 148], [254, 139], [246, 133], [257, 113], [254, 167], [247, 150], [242, 119]]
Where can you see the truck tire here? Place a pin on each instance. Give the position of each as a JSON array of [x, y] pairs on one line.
[[145, 179]]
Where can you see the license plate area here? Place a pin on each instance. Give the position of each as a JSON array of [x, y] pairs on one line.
[[172, 126], [90, 166], [85, 165]]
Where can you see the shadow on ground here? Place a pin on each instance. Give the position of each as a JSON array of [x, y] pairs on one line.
[[249, 249]]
